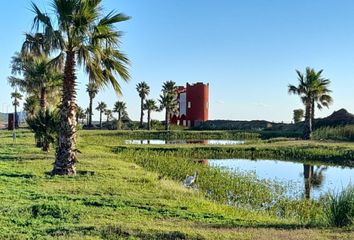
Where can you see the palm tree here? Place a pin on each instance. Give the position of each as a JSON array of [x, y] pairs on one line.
[[16, 96], [80, 114], [168, 101], [101, 107], [313, 90], [86, 38], [150, 106], [87, 113], [30, 106], [92, 90], [143, 90], [41, 76], [108, 114], [120, 108]]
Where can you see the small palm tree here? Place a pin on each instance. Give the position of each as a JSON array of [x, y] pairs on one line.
[[80, 114], [143, 90], [168, 101], [313, 90], [16, 96], [92, 90], [150, 106], [83, 35], [45, 127], [101, 108], [108, 114], [120, 108]]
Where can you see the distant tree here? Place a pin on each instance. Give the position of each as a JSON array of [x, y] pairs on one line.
[[16, 96], [87, 113], [92, 90], [298, 115], [101, 108], [108, 114], [168, 101], [80, 114], [150, 106], [313, 89], [121, 109], [143, 90]]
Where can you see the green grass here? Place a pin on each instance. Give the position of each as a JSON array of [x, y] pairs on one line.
[[340, 133], [115, 196]]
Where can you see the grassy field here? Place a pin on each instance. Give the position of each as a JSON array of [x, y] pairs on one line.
[[116, 196]]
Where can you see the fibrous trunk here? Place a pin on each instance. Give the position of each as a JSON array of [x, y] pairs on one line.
[[141, 112], [66, 152], [43, 99], [167, 120], [90, 113], [308, 121], [149, 120]]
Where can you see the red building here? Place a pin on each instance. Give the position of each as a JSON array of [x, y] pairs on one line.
[[193, 105]]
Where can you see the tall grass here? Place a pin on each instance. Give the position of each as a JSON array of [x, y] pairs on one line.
[[172, 135], [238, 189], [340, 208], [341, 133]]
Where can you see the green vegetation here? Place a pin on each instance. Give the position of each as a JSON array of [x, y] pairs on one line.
[[313, 91], [340, 133], [139, 195], [340, 209]]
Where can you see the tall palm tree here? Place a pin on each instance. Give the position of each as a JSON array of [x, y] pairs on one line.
[[16, 96], [150, 106], [313, 90], [86, 38], [120, 108], [143, 90], [168, 101], [41, 76], [92, 90], [101, 108]]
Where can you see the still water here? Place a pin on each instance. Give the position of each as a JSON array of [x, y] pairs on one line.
[[159, 141], [310, 181]]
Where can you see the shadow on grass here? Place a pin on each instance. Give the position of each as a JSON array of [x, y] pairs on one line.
[[17, 175]]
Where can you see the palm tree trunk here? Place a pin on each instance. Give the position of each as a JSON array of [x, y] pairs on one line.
[[141, 112], [149, 120], [66, 151], [90, 114], [167, 120], [15, 116], [119, 121], [308, 121], [100, 119], [313, 114], [43, 99]]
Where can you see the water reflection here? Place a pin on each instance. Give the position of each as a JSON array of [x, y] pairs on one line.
[[206, 142], [303, 180], [313, 178]]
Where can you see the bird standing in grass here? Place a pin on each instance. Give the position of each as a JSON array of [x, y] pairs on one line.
[[190, 180]]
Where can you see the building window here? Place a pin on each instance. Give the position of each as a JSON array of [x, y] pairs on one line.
[[189, 104]]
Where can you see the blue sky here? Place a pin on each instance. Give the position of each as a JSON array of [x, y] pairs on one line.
[[246, 50]]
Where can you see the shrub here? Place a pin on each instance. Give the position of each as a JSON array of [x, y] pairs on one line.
[[340, 209]]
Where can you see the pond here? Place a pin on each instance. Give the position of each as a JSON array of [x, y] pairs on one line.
[[206, 142], [304, 179]]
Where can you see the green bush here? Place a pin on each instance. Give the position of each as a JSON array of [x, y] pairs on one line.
[[341, 133], [340, 209]]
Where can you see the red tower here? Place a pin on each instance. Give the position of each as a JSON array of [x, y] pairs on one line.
[[193, 105], [197, 103]]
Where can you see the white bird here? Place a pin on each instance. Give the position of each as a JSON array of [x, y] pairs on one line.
[[190, 180]]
